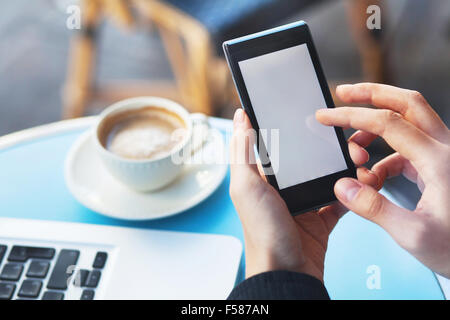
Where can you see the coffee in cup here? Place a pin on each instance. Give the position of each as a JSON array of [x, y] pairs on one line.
[[139, 140], [145, 133]]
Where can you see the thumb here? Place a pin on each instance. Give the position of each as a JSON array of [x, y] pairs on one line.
[[371, 205], [242, 156]]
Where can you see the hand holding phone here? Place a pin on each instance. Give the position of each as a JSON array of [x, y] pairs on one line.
[[275, 240]]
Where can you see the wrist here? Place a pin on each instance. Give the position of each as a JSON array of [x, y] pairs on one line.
[[264, 261]]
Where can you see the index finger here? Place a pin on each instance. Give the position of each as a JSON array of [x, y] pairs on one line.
[[409, 103], [400, 134]]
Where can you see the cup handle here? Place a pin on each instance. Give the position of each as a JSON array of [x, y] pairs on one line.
[[200, 131]]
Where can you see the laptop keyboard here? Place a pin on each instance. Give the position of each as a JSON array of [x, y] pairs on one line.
[[32, 273]]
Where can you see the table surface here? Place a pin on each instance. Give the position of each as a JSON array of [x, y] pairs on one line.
[[32, 186]]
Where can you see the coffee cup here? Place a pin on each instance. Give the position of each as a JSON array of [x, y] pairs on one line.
[[140, 140]]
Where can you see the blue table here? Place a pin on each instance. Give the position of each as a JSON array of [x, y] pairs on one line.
[[32, 186]]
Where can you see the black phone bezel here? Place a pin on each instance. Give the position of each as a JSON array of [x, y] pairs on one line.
[[315, 193]]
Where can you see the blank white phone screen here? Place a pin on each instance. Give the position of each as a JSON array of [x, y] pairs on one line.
[[285, 94]]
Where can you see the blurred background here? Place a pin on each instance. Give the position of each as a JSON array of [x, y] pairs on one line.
[[172, 48]]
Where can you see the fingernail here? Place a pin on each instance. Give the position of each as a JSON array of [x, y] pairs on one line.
[[238, 116], [347, 189], [322, 110], [343, 86]]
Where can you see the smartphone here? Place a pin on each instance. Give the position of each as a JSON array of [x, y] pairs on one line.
[[281, 84]]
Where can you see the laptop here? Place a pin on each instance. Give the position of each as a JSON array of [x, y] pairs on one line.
[[49, 260]]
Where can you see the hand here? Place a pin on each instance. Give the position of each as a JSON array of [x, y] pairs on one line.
[[274, 240], [422, 143]]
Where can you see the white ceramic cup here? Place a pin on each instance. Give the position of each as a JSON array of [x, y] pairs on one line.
[[149, 174]]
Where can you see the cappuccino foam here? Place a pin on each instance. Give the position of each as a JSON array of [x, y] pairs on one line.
[[144, 134]]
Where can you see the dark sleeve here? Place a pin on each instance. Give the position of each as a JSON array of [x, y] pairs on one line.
[[280, 285]]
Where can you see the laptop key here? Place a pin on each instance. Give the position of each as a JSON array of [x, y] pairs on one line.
[[22, 253], [11, 272], [93, 279], [100, 260], [30, 288], [38, 269], [61, 272], [81, 277], [52, 295], [87, 294], [6, 290], [2, 252]]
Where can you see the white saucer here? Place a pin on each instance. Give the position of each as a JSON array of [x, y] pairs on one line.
[[92, 185]]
